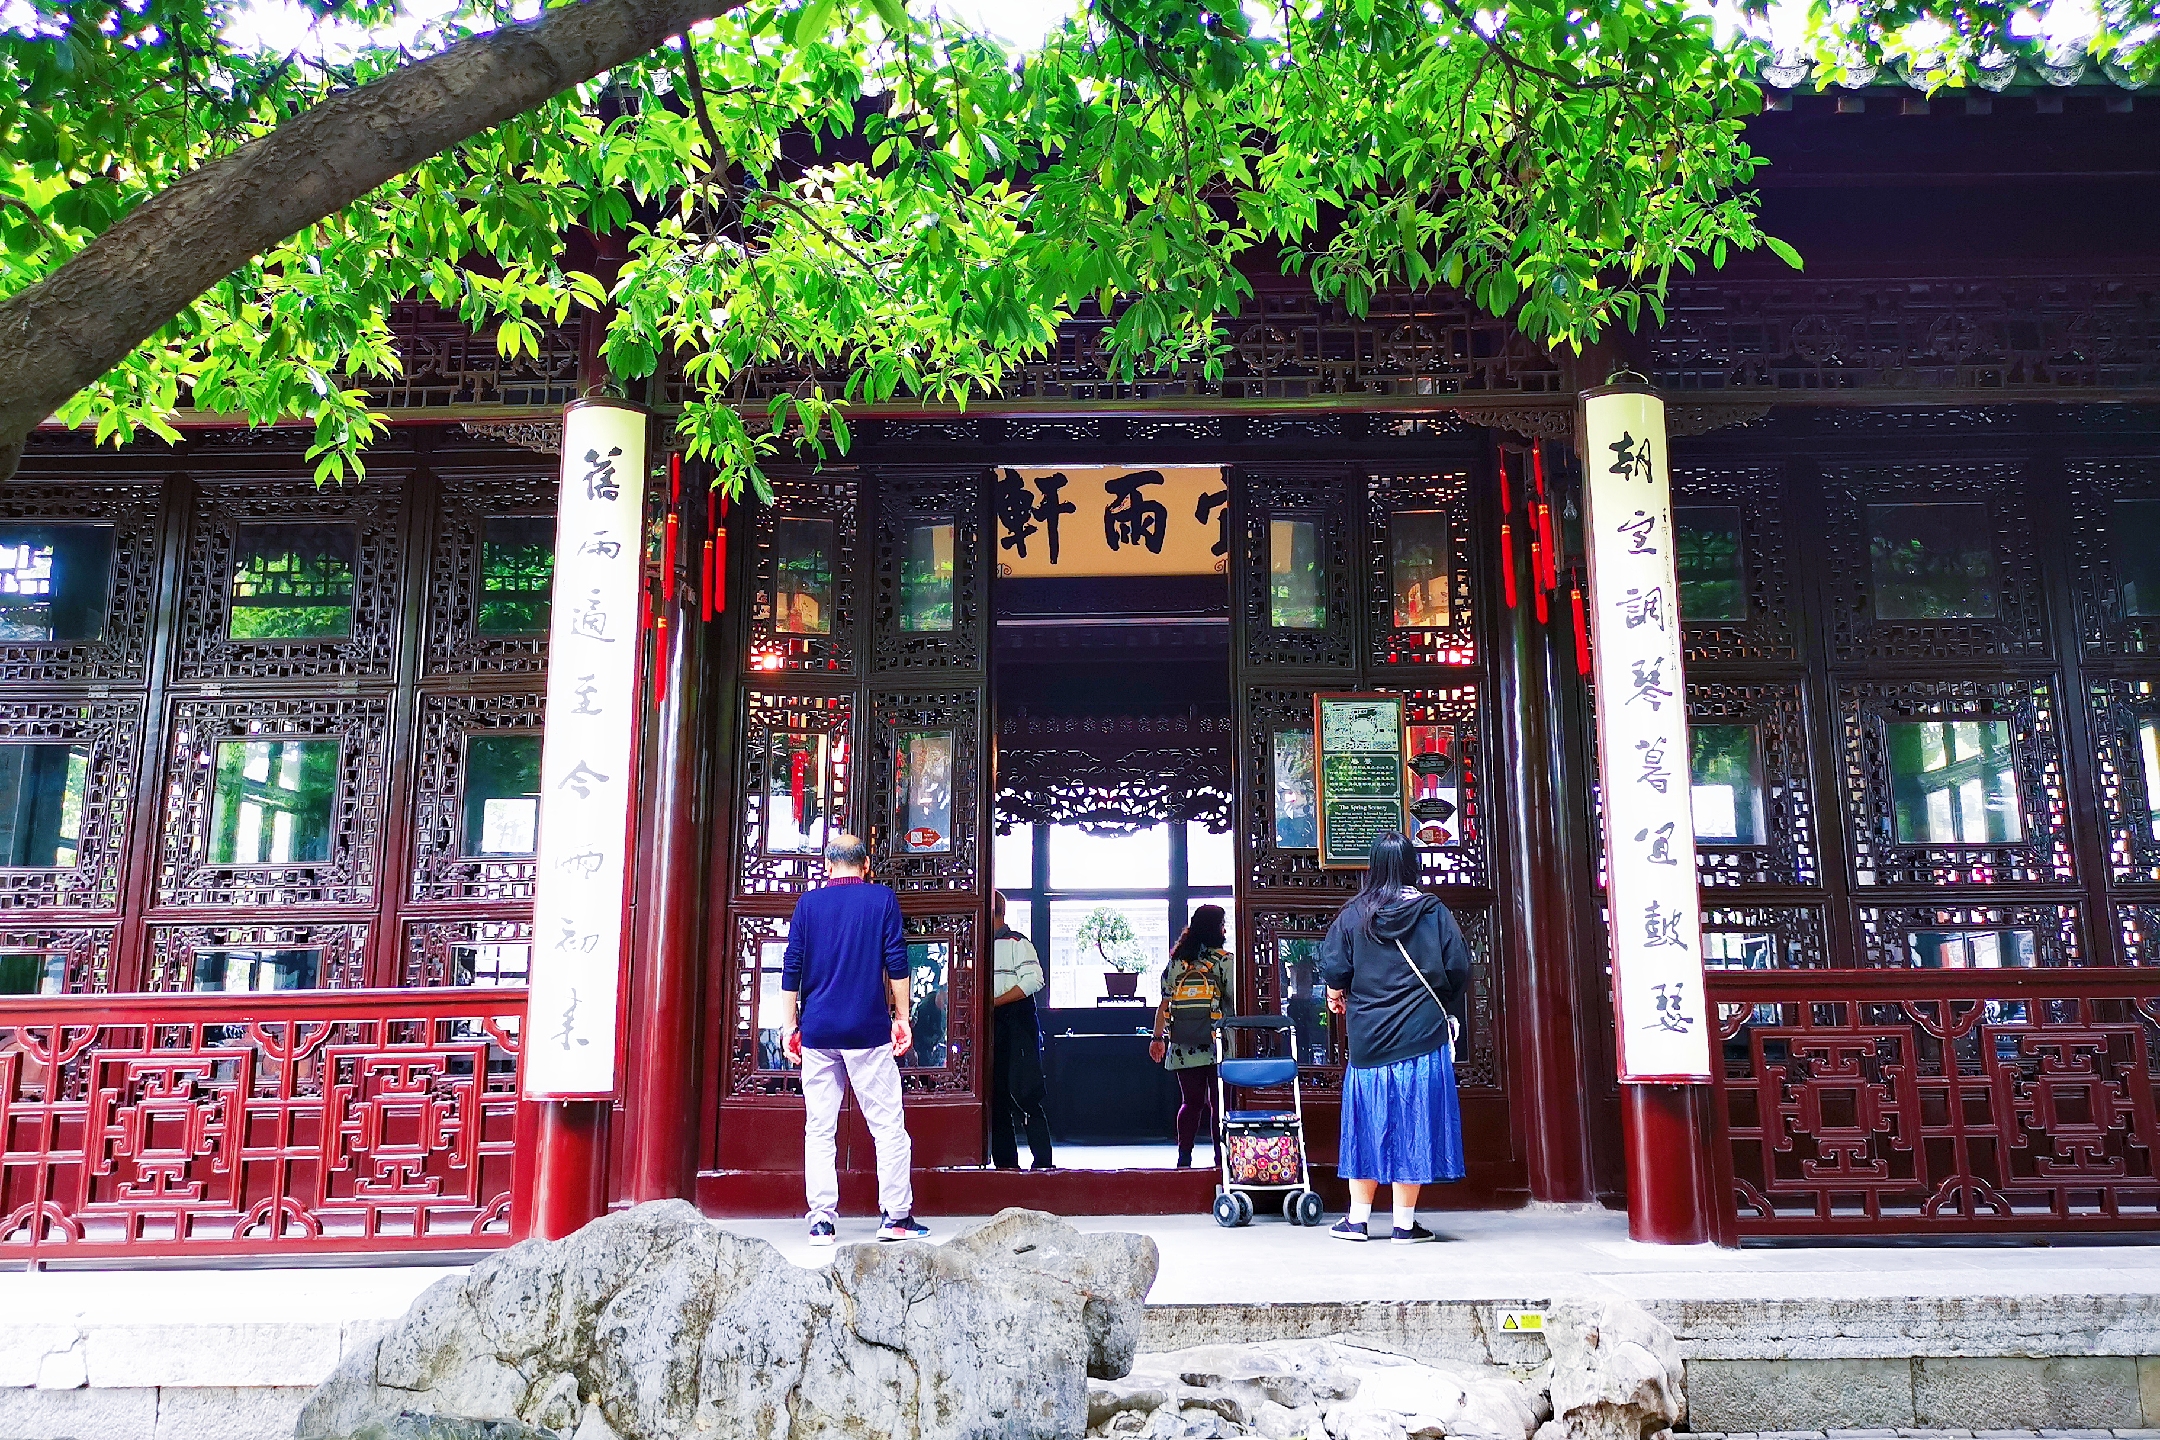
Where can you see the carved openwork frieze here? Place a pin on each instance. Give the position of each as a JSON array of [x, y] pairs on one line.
[[119, 652], [806, 563], [1752, 742], [58, 959], [469, 631], [1734, 546], [473, 951], [931, 572], [2115, 556], [452, 852], [71, 826], [256, 957], [1295, 593], [796, 769], [1420, 548], [928, 756]]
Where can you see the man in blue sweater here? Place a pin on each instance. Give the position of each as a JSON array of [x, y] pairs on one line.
[[846, 978]]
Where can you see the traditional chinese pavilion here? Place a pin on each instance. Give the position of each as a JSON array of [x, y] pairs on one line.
[[271, 760]]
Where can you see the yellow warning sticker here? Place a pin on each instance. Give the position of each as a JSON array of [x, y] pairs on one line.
[[1517, 1321]]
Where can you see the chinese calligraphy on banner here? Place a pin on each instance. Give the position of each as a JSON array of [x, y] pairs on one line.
[[1643, 742], [1112, 520], [588, 779]]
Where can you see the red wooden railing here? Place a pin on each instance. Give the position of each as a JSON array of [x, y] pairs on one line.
[[1940, 1101], [246, 1124]]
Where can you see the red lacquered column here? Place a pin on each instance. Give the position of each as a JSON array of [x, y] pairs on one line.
[[1671, 1195], [569, 1167], [662, 1099]]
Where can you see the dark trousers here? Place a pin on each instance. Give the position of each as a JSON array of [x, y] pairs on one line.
[[1016, 1084], [1196, 1102]]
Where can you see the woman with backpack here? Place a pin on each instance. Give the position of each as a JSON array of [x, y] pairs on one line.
[[1398, 971], [1195, 994]]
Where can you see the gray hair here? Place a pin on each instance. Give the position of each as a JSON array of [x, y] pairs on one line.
[[847, 851]]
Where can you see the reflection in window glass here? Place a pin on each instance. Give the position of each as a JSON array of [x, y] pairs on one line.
[[257, 969], [1083, 861], [1738, 950], [55, 581], [796, 788], [41, 804], [2148, 746], [1294, 601], [1712, 567], [271, 802], [1954, 782], [772, 955], [1082, 973], [491, 962], [1012, 861], [1725, 788], [929, 972], [1210, 859], [32, 972], [925, 787], [1971, 949], [1418, 542], [1297, 803], [2135, 534], [292, 582], [517, 574], [1932, 562], [502, 794], [802, 576], [926, 580], [1304, 995]]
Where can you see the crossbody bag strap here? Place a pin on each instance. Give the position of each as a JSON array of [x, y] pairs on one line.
[[1454, 1026]]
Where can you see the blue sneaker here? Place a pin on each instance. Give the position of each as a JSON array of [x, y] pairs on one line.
[[1416, 1235], [822, 1233], [905, 1227], [1344, 1230]]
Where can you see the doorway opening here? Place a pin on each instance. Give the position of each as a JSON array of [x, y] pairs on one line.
[[1112, 813]]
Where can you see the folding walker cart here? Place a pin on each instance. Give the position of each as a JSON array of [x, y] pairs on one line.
[[1249, 1151]]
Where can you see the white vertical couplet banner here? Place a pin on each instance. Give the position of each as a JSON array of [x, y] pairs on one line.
[[1642, 737], [588, 769]]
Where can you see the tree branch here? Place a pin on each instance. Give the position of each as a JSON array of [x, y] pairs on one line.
[[62, 333]]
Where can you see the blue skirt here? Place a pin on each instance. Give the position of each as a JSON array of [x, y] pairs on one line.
[[1400, 1122]]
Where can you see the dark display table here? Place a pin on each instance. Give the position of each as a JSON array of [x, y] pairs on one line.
[[1104, 1090]]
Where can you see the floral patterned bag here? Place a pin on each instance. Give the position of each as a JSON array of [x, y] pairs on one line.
[[1260, 1157]]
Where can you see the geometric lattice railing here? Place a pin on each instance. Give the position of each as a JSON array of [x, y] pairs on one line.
[[265, 1124], [1928, 1102]]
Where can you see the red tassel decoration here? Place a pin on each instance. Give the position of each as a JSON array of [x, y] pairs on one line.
[[1582, 632], [1507, 561], [1537, 577], [718, 585], [705, 581], [674, 475], [667, 559]]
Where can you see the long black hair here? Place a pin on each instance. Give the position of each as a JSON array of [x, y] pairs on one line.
[[1203, 932], [1392, 869]]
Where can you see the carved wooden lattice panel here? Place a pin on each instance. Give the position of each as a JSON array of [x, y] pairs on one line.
[[121, 654], [783, 738], [803, 614], [2027, 707], [907, 501], [446, 363], [360, 727], [2137, 931], [260, 1124], [1466, 861], [928, 754], [2114, 620], [109, 732], [1770, 629], [1786, 853], [455, 642], [956, 1076], [1265, 502], [176, 953], [1740, 935], [2014, 625], [373, 509], [2125, 718], [755, 1066], [1272, 711], [67, 959], [1934, 1102], [476, 951], [1390, 563], [1902, 937], [440, 868]]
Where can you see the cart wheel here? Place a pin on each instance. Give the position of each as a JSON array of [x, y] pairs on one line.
[[1291, 1210], [1311, 1210], [1227, 1213], [1244, 1208]]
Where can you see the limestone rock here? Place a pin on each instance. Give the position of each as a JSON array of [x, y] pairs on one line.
[[654, 1323], [1616, 1373]]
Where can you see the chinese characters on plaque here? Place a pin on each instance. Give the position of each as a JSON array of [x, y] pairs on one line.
[[1643, 743], [1111, 520], [588, 770], [1359, 747]]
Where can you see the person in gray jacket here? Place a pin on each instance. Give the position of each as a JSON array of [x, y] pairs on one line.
[[1017, 1091], [1398, 971]]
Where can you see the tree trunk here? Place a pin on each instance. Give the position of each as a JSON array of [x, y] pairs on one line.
[[64, 332]]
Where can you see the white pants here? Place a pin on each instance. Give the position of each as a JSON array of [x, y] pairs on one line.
[[875, 1074]]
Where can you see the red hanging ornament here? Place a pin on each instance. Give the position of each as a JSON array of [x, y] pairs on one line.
[[705, 590], [1537, 578], [1507, 562], [667, 559], [1582, 632]]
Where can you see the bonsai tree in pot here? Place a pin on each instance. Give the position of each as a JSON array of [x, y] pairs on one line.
[[1111, 936]]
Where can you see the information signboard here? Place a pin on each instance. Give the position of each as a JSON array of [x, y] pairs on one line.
[[1359, 770]]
